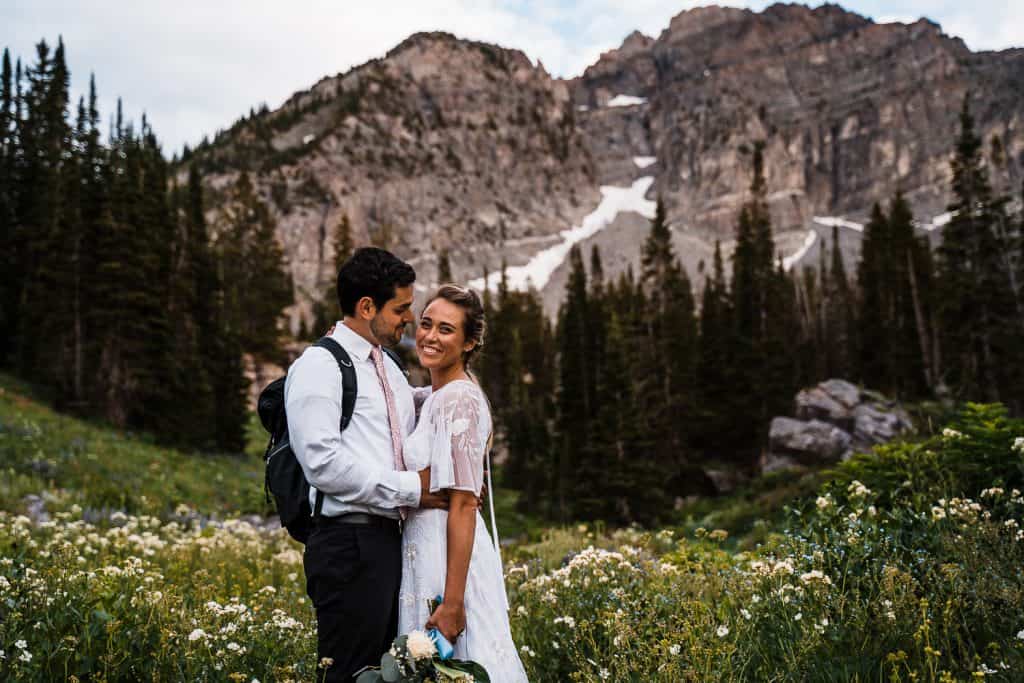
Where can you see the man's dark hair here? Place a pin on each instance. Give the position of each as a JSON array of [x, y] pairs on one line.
[[374, 273]]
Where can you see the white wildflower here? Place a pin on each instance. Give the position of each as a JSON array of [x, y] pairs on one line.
[[857, 489], [798, 616], [745, 613], [722, 631], [948, 433], [823, 502], [21, 645], [25, 656], [197, 634], [938, 513], [1018, 444], [815, 575], [420, 645], [674, 649]]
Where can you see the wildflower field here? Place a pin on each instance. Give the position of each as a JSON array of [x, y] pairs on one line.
[[122, 561]]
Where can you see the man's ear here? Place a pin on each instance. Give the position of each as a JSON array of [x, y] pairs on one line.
[[365, 308]]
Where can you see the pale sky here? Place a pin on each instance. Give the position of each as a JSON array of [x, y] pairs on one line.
[[195, 66]]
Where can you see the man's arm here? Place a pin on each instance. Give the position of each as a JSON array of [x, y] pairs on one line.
[[313, 404]]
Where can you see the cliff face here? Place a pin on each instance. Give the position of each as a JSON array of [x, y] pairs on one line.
[[848, 110], [446, 143]]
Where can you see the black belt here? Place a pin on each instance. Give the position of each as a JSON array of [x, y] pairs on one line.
[[360, 519]]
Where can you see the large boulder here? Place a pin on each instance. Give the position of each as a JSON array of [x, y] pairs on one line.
[[833, 420], [808, 441]]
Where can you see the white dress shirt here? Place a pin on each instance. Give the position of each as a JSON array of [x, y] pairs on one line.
[[354, 469]]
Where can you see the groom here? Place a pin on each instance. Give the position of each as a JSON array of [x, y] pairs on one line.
[[353, 559]]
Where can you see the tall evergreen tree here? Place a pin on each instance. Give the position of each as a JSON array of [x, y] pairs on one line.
[[9, 269], [978, 326], [255, 284], [327, 311], [574, 394], [751, 282], [840, 316], [714, 367], [873, 303]]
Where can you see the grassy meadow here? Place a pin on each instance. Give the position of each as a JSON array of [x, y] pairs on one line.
[[899, 565]]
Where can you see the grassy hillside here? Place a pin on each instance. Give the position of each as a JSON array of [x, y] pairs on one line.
[[70, 461], [899, 565]]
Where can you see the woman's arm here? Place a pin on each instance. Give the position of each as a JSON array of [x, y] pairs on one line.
[[450, 616]]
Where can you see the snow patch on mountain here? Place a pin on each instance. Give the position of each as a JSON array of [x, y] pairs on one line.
[[794, 258], [643, 162], [626, 101], [838, 221], [938, 221], [537, 272]]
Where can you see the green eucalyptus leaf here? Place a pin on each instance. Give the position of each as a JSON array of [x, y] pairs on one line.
[[389, 670], [369, 676]]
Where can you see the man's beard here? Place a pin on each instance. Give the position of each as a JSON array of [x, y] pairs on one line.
[[388, 336]]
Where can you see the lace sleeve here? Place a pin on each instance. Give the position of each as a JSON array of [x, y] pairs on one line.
[[461, 425]]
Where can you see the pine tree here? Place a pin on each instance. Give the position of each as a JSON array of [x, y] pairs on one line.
[[714, 367], [9, 267], [907, 372], [327, 311], [752, 273], [840, 316], [976, 312], [45, 136], [256, 286], [871, 282], [574, 394]]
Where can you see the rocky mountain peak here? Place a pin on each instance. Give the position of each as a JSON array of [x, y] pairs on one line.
[[700, 20]]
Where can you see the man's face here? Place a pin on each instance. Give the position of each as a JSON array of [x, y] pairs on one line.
[[389, 323]]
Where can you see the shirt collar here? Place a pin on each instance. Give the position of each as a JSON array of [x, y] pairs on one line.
[[353, 343]]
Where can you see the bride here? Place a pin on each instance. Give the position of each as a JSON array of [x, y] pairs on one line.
[[449, 553]]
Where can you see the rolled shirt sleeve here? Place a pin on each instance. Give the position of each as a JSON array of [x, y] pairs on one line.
[[313, 404]]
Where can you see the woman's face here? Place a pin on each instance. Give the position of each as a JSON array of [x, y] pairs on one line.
[[440, 335]]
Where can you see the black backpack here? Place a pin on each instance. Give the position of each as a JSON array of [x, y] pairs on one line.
[[283, 477]]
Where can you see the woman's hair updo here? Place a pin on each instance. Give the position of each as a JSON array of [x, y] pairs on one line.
[[474, 324]]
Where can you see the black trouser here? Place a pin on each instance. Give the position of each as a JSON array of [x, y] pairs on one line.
[[353, 573]]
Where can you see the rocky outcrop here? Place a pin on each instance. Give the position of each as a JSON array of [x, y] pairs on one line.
[[833, 420]]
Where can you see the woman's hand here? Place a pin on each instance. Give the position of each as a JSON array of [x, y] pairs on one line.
[[450, 619], [428, 500]]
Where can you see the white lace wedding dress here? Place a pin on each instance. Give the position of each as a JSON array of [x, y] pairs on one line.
[[451, 438]]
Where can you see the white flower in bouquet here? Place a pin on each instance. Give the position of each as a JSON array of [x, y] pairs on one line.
[[420, 646]]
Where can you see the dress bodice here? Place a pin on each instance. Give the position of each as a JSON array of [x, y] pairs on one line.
[[451, 437]]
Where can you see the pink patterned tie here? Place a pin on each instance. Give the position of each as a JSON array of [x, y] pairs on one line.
[[389, 397]]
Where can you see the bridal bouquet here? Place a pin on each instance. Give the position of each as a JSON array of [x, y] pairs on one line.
[[413, 658]]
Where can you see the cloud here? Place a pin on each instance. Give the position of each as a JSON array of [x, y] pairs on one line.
[[196, 66]]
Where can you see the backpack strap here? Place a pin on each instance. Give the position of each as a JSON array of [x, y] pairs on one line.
[[349, 387], [396, 358]]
